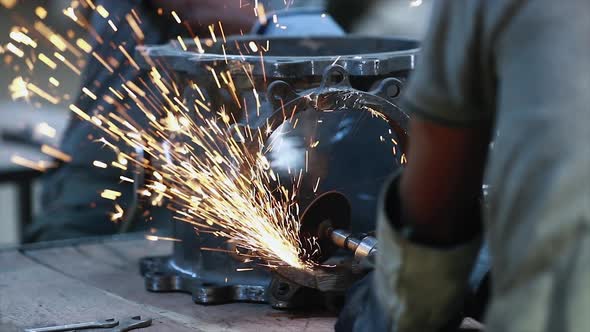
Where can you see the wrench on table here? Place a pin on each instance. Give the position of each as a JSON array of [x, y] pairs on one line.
[[112, 324], [131, 323]]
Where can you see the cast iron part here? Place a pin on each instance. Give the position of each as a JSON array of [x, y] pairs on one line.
[[308, 77]]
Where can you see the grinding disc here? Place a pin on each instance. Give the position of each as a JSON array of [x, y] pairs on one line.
[[330, 209]]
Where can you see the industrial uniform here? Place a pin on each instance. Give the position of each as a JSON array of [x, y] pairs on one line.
[[523, 66]]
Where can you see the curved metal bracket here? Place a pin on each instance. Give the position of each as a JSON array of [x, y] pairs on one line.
[[336, 94], [279, 93], [389, 89]]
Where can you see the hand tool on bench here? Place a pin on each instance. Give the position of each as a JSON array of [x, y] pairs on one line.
[[113, 325]]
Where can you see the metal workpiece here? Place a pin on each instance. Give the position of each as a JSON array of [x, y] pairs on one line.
[[362, 246], [287, 57], [341, 237], [334, 109], [366, 248]]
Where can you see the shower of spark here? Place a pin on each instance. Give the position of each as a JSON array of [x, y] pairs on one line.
[[213, 174]]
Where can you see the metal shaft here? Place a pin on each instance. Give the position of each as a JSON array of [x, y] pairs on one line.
[[361, 247]]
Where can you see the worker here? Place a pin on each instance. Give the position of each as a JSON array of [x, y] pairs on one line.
[[500, 96]]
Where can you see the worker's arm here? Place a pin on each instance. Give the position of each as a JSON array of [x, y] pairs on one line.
[[429, 234], [428, 219], [440, 189]]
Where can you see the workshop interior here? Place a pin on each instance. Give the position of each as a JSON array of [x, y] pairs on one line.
[[240, 165]]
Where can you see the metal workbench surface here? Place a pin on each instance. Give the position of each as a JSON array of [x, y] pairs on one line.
[[77, 281]]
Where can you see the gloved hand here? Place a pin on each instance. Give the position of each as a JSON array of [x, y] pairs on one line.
[[415, 287], [361, 312]]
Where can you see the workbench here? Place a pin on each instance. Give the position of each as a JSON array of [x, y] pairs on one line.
[[56, 283], [85, 280]]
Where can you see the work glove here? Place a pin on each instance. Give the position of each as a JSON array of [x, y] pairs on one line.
[[361, 311], [415, 287]]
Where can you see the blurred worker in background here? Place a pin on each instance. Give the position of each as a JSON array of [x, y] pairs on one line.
[[71, 204], [515, 73]]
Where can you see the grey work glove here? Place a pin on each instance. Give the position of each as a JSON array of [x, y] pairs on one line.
[[414, 288], [361, 312]]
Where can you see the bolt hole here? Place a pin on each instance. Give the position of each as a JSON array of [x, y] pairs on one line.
[[392, 91], [336, 77]]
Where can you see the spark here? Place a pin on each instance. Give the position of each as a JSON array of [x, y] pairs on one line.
[[126, 179], [79, 112], [46, 60], [15, 50], [199, 46], [181, 42], [99, 164], [317, 184], [21, 161], [135, 27], [22, 38], [212, 32], [55, 153], [253, 46], [83, 45], [89, 93], [103, 62], [8, 3], [110, 194], [41, 93], [113, 26], [261, 13], [222, 32], [212, 174], [160, 238], [118, 214], [45, 129], [102, 11], [18, 89], [176, 17], [69, 12], [41, 12]]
